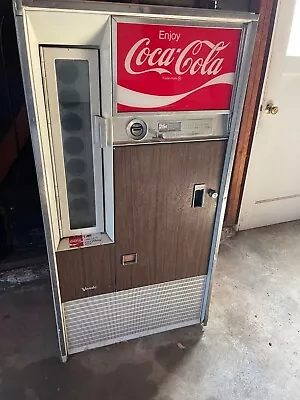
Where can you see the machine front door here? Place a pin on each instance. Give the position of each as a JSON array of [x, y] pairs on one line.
[[272, 189], [165, 203]]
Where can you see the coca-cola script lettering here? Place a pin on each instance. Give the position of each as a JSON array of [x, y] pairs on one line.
[[178, 69], [184, 60]]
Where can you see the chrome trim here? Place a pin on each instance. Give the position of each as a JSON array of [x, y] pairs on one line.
[[178, 114], [64, 359], [38, 156], [168, 141], [17, 7], [240, 95], [147, 10], [192, 126], [212, 22], [237, 75], [100, 131]]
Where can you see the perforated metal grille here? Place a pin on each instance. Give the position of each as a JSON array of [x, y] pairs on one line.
[[114, 317]]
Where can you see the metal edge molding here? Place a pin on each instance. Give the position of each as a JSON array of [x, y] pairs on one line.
[[143, 9], [38, 156], [141, 311], [239, 98], [110, 318]]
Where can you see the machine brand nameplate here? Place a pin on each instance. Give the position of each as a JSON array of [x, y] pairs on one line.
[[85, 289], [175, 68]]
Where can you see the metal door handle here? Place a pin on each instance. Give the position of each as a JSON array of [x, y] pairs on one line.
[[198, 196], [100, 131], [271, 109]]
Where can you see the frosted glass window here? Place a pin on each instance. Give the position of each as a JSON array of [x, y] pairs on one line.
[[73, 89]]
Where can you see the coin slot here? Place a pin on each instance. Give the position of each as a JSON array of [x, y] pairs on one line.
[[137, 129]]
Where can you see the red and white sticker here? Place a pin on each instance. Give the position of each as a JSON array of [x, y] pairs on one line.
[[84, 240], [175, 68], [75, 241]]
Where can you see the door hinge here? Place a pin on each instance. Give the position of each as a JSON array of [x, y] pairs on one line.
[[229, 123], [59, 217], [17, 5], [46, 97]]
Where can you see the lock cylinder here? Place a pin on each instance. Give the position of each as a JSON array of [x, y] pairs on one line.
[[137, 129]]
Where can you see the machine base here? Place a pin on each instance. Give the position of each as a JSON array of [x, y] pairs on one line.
[[115, 317]]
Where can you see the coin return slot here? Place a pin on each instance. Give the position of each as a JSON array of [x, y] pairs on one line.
[[129, 259]]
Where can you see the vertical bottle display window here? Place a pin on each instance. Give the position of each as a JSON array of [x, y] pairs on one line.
[[72, 84]]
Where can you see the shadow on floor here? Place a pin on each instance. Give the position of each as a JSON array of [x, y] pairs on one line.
[[31, 368], [249, 350], [141, 378]]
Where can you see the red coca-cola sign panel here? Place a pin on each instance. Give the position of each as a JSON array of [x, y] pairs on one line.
[[175, 68]]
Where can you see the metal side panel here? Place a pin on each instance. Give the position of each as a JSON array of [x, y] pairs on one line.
[[110, 318], [42, 181], [247, 46]]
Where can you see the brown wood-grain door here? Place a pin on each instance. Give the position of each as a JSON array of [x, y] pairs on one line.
[[154, 217], [86, 272]]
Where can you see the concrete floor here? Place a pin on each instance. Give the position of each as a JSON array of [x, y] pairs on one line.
[[249, 350]]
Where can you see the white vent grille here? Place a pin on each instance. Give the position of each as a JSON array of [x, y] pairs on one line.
[[105, 319]]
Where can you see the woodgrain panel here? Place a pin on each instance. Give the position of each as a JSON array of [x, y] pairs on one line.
[[154, 218], [80, 269]]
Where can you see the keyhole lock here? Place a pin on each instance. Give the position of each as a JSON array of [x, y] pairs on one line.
[[271, 109], [212, 193]]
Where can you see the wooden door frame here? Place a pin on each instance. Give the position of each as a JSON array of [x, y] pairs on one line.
[[267, 11]]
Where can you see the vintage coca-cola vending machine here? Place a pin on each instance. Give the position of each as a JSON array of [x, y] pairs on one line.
[[134, 114]]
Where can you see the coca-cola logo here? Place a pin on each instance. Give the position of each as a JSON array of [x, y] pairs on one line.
[[161, 67], [184, 60]]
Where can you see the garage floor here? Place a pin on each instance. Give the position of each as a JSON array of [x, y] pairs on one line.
[[249, 350]]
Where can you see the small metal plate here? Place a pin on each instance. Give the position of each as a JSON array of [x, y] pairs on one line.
[[169, 126], [178, 126], [129, 259], [189, 128]]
